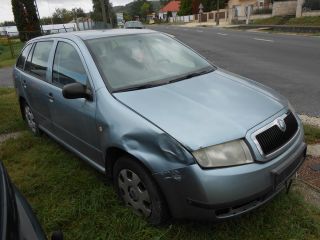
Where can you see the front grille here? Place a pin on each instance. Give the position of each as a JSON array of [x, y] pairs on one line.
[[274, 138]]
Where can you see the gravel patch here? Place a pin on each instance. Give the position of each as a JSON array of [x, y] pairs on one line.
[[314, 150], [310, 195], [307, 174], [5, 137], [313, 121]]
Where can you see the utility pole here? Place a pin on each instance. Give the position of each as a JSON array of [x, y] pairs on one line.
[[103, 9], [218, 17]]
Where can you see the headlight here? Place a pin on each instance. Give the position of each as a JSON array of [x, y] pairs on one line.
[[223, 155]]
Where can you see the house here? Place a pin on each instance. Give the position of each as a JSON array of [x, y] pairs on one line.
[[240, 7], [173, 7]]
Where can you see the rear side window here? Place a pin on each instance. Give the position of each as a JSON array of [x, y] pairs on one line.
[[67, 66], [23, 56], [38, 63]]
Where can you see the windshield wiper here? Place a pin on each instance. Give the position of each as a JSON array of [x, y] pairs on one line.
[[150, 85], [143, 86], [191, 75]]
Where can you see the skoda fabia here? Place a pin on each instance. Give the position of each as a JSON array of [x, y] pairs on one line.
[[179, 136]]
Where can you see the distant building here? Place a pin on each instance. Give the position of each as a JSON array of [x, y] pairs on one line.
[[173, 7]]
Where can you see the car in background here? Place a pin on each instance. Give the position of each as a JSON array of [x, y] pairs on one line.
[[179, 136], [17, 221], [133, 25]]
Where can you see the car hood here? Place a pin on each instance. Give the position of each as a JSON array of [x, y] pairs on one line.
[[205, 110]]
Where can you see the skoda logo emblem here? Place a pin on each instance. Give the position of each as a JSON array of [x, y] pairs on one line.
[[282, 125]]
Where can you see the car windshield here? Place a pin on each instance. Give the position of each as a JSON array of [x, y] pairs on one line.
[[133, 24], [146, 60]]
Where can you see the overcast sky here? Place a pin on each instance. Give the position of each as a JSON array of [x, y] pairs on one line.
[[47, 7]]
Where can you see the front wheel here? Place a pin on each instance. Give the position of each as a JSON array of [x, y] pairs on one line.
[[138, 191]]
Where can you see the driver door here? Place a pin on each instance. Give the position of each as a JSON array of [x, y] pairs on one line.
[[73, 120]]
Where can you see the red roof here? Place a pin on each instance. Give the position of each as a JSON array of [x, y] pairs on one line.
[[173, 6]]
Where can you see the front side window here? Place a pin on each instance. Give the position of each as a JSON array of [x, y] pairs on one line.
[[37, 63], [136, 60], [23, 57], [67, 66]]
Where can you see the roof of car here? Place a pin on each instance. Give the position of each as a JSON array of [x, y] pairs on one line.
[[92, 34]]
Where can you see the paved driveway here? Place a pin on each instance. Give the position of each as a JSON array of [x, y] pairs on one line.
[[6, 77]]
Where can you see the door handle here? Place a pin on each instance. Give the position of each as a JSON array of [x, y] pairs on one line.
[[24, 83], [51, 98]]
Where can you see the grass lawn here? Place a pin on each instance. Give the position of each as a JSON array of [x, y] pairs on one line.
[[6, 58], [10, 117], [277, 20], [312, 134], [67, 194]]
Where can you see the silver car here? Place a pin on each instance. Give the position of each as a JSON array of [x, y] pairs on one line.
[[180, 137]]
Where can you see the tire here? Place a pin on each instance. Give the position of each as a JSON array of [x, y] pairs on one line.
[[29, 117], [136, 188]]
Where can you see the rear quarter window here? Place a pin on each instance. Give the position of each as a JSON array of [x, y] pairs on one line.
[[23, 56], [37, 62]]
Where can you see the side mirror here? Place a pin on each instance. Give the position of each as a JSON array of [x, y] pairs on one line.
[[76, 90]]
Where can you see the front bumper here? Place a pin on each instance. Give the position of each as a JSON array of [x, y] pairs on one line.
[[216, 194]]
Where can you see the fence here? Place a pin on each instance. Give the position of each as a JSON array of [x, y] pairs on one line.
[[310, 5], [9, 47], [12, 31]]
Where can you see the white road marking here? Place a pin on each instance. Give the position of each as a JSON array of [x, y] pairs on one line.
[[262, 39], [199, 30], [223, 34], [185, 29]]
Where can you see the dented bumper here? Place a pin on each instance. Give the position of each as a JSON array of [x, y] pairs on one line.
[[216, 194]]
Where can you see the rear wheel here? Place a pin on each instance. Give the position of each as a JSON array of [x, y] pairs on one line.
[[138, 190], [32, 124]]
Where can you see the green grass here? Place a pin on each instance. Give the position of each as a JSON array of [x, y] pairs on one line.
[[6, 58], [10, 117], [303, 21], [67, 194], [312, 134], [277, 20]]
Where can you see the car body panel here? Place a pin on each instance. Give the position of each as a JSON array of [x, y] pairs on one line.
[[17, 221], [195, 110]]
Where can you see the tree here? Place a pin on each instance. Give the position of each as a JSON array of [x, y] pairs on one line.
[[62, 15], [26, 19], [97, 12], [145, 9], [185, 7], [78, 12]]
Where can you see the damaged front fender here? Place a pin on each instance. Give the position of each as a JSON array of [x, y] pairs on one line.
[[126, 130]]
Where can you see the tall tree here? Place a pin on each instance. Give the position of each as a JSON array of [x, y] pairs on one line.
[[185, 7], [62, 15], [26, 19], [97, 12], [145, 9]]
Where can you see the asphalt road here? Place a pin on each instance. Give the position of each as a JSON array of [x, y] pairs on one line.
[[6, 77], [288, 63]]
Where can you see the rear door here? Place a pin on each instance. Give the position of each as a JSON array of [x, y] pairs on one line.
[[35, 81], [73, 120]]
